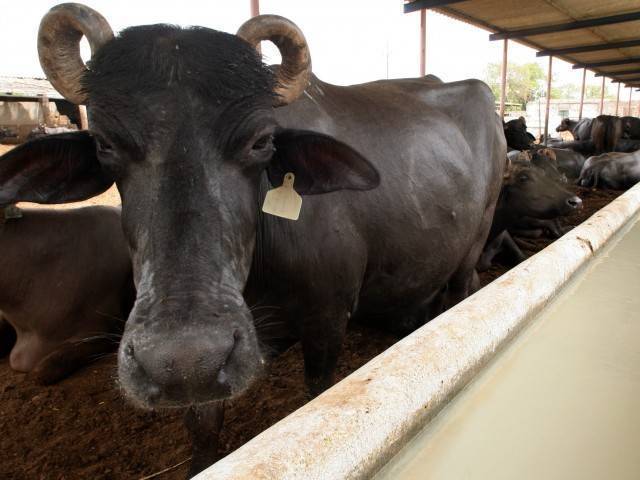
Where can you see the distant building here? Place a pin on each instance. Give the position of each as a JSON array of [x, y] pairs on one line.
[[29, 103]]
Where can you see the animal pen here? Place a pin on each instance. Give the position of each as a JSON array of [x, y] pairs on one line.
[[509, 383], [535, 375]]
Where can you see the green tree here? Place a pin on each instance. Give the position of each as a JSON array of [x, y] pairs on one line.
[[594, 91], [567, 91], [525, 82]]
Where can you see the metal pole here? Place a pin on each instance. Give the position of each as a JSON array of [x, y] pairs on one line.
[[84, 119], [423, 42], [546, 113], [618, 99], [629, 106], [255, 11], [584, 77], [602, 96], [503, 84]]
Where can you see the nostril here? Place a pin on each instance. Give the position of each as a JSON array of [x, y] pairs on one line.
[[574, 202]]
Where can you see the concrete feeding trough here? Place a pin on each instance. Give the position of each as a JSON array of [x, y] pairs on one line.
[[355, 428]]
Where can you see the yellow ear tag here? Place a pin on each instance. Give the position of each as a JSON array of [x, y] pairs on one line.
[[283, 201]]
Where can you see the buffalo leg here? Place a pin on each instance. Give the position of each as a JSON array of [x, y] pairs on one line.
[[68, 358], [322, 339], [7, 337], [528, 232], [465, 279], [490, 251], [204, 423], [512, 247]]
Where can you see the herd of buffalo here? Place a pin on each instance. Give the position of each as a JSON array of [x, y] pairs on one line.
[[410, 187]]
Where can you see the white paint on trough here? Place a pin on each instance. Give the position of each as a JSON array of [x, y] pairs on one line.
[[355, 427]]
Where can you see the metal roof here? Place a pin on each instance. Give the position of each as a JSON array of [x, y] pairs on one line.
[[601, 35], [26, 88]]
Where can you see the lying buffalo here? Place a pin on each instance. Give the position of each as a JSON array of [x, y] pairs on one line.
[[65, 288], [515, 132], [400, 179], [588, 148], [611, 170], [530, 195], [569, 162]]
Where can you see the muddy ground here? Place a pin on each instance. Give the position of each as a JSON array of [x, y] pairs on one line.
[[82, 428]]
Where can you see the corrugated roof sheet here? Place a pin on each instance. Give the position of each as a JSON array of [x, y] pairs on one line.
[[509, 15], [26, 87]]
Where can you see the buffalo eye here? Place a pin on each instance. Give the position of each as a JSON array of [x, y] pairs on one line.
[[523, 178], [103, 147], [264, 143]]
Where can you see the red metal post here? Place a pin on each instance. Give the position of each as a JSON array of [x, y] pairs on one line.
[[546, 113], [584, 77], [503, 84], [255, 8]]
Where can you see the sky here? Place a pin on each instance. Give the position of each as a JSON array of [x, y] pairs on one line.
[[351, 41]]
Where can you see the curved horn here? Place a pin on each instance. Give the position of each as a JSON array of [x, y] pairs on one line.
[[59, 35], [294, 72]]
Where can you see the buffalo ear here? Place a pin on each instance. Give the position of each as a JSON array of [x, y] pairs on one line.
[[53, 169], [320, 163]]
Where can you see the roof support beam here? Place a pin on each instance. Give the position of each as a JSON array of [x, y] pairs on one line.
[[624, 80], [618, 73], [607, 63], [618, 100], [602, 96], [564, 27], [420, 4], [589, 48]]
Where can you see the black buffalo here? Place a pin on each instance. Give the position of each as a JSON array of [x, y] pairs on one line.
[[606, 131], [580, 129], [631, 127], [611, 170], [532, 196], [65, 287], [515, 132], [400, 179], [569, 162]]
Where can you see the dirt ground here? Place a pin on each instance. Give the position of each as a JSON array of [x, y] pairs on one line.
[[82, 428]]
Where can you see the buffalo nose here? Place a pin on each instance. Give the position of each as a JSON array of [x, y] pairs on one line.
[[194, 364], [574, 202]]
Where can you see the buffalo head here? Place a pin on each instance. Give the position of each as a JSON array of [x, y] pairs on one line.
[[182, 120]]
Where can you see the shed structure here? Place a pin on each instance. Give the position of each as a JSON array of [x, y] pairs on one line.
[[601, 36]]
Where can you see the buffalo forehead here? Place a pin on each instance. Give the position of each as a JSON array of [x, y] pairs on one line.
[[214, 65]]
